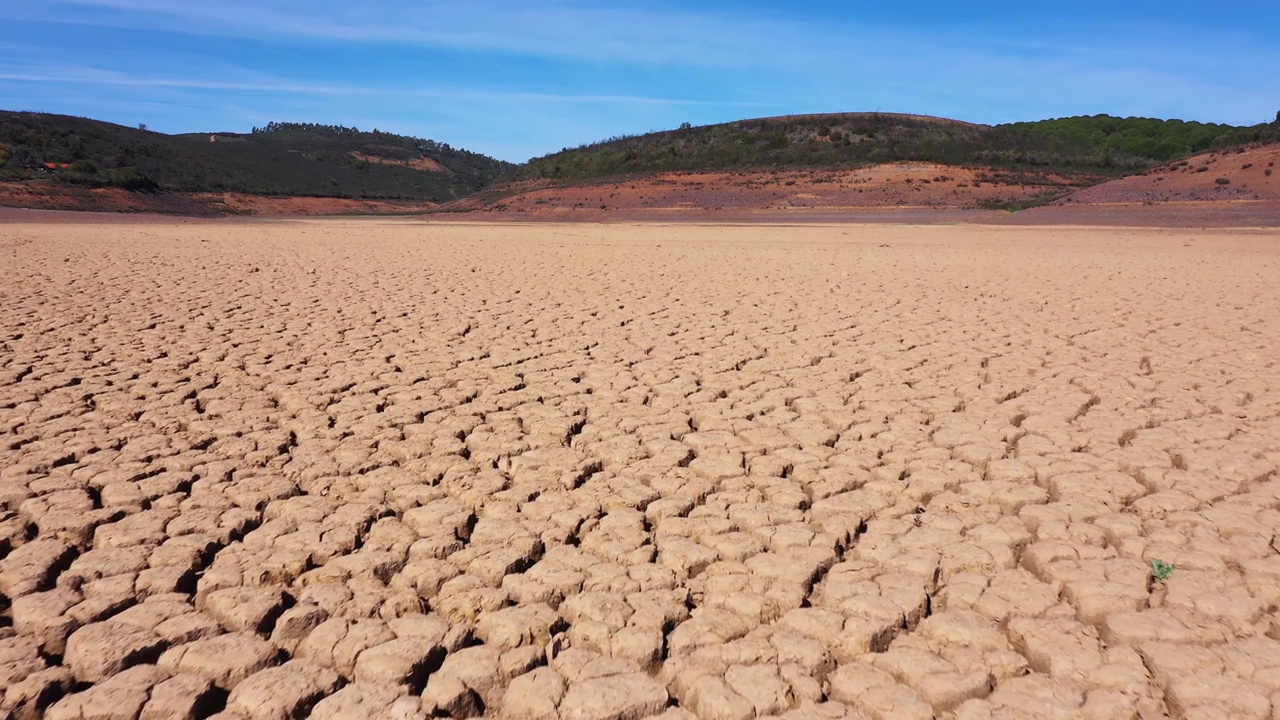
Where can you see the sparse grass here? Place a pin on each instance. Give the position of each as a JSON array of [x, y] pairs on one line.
[[1019, 204], [1161, 570]]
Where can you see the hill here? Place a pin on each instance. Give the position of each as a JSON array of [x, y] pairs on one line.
[[1101, 146], [281, 159], [829, 163], [1242, 174], [852, 162], [1234, 187]]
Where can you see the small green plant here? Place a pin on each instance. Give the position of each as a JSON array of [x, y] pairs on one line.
[[1161, 570]]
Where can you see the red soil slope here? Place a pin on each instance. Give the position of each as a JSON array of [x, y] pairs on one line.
[[898, 185], [1247, 174], [52, 196], [1234, 188]]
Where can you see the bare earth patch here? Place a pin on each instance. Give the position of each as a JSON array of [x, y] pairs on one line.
[[394, 469], [417, 163]]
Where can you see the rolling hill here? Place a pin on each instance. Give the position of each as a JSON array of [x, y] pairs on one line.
[[1101, 145], [851, 161], [281, 159], [818, 163], [1242, 174]]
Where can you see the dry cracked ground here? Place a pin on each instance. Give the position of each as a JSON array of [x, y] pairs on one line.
[[400, 470]]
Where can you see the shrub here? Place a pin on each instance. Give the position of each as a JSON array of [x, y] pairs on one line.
[[132, 179], [79, 178], [1223, 181], [1267, 172]]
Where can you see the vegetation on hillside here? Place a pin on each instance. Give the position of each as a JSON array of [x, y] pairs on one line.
[[1154, 140], [1098, 146], [292, 159], [279, 159]]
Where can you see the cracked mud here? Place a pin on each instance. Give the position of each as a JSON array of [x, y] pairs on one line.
[[396, 470]]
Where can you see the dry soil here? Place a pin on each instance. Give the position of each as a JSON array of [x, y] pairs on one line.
[[387, 469], [51, 196], [915, 186]]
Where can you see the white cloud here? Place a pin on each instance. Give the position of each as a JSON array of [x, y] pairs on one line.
[[549, 28], [779, 54], [82, 75]]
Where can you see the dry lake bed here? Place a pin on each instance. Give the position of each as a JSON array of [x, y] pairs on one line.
[[396, 469]]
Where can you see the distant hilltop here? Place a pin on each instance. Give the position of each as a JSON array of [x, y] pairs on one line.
[[1100, 144], [282, 159]]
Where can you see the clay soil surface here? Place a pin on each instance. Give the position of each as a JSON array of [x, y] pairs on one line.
[[394, 469], [1172, 214]]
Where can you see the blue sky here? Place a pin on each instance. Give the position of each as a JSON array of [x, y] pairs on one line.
[[520, 79]]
